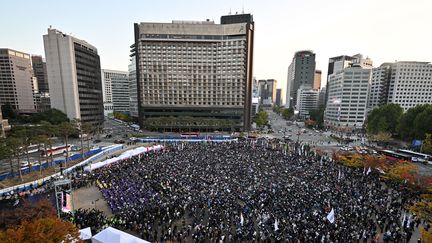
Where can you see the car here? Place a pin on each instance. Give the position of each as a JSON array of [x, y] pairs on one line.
[[119, 141], [97, 141], [108, 136]]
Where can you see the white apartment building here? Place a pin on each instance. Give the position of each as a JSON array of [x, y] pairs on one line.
[[74, 77], [410, 84], [115, 85], [307, 100], [378, 93], [347, 98]]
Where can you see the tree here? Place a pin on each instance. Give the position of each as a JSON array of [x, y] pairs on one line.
[[423, 123], [405, 126], [384, 119], [287, 113], [427, 144], [66, 129], [15, 146], [42, 230], [262, 118], [88, 129], [41, 139], [24, 134], [317, 115], [50, 131], [52, 116], [27, 211]]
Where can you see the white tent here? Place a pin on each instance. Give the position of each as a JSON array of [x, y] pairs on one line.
[[111, 235], [85, 234]]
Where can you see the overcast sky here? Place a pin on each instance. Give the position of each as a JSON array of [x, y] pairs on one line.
[[384, 30]]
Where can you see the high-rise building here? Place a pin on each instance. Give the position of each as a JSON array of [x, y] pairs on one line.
[[307, 100], [317, 80], [133, 99], [337, 64], [255, 97], [410, 84], [347, 98], [278, 101], [17, 81], [378, 93], [301, 71], [74, 77], [322, 96], [39, 70], [267, 91], [115, 85], [197, 69]]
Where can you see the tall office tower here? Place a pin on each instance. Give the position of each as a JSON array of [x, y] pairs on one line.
[[115, 85], [317, 80], [307, 100], [337, 64], [16, 81], [133, 99], [378, 93], [347, 98], [40, 72], [197, 69], [74, 77], [410, 84], [301, 71], [278, 100], [322, 96], [267, 91]]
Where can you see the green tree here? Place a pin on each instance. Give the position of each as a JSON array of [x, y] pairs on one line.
[[317, 115], [15, 149], [427, 144], [261, 119], [287, 113], [384, 119], [66, 129], [423, 123], [405, 126]]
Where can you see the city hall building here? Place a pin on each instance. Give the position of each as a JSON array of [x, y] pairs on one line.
[[195, 69]]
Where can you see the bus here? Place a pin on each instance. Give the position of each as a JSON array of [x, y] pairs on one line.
[[415, 156], [56, 150], [189, 134], [389, 154]]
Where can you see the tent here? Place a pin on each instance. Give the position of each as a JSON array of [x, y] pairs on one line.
[[111, 235], [85, 234]]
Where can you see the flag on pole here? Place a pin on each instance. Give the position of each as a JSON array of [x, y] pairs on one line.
[[369, 171], [241, 219], [364, 170], [331, 216]]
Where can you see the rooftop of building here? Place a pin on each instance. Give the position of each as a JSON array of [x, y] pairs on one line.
[[75, 39]]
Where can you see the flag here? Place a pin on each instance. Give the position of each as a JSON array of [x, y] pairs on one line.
[[364, 170], [331, 216], [339, 175], [369, 171], [241, 219], [276, 225]]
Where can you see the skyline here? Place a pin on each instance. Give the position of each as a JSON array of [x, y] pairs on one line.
[[377, 30]]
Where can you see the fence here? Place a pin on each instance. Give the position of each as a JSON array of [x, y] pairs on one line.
[[40, 182]]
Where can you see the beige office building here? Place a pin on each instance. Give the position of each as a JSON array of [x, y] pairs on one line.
[[16, 80]]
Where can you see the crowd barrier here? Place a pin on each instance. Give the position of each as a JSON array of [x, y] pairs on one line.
[[45, 165], [40, 182]]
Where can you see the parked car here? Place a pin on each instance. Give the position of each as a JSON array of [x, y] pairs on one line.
[[97, 141], [119, 141]]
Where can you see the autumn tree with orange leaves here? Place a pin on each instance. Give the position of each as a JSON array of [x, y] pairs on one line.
[[35, 222]]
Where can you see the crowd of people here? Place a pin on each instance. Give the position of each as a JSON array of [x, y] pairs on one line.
[[252, 191]]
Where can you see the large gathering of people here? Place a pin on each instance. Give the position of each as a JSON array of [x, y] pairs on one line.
[[252, 191]]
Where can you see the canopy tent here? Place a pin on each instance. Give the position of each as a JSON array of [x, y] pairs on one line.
[[126, 155], [111, 235], [85, 234]]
